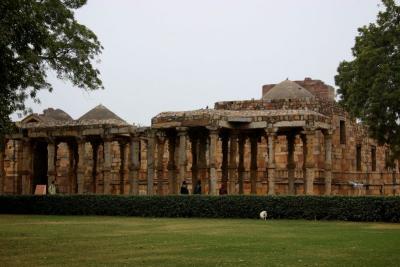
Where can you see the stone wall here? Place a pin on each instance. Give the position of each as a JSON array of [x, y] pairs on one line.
[[323, 106]]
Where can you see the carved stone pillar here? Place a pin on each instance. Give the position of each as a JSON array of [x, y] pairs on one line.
[[171, 165], [95, 149], [19, 166], [290, 162], [328, 163], [150, 162], [271, 161], [27, 168], [160, 162], [107, 166], [241, 169], [134, 166], [309, 163], [81, 166], [123, 165], [51, 162], [253, 164], [2, 171], [224, 167], [195, 161], [72, 168], [202, 162], [233, 167], [182, 161], [212, 159]]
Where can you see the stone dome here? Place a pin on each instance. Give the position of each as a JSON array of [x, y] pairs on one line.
[[56, 115], [287, 90], [101, 114]]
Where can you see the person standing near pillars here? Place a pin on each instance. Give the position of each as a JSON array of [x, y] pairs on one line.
[[52, 188], [197, 188], [222, 190], [184, 188]]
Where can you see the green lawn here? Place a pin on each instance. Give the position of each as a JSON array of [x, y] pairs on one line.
[[124, 241]]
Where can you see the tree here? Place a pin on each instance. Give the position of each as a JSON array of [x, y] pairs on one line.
[[37, 36], [369, 85]]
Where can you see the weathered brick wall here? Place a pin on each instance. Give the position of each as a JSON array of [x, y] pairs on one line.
[[323, 106]]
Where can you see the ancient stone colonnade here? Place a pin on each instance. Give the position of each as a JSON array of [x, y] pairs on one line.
[[295, 140], [171, 144], [204, 151]]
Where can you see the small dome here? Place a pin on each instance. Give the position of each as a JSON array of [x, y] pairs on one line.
[[101, 114], [56, 114], [287, 90]]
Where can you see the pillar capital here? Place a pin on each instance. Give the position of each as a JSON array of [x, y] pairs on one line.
[[182, 130], [49, 140], [213, 130], [271, 130], [327, 134], [161, 137], [308, 131], [135, 136]]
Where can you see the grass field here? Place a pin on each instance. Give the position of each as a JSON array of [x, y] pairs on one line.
[[123, 241]]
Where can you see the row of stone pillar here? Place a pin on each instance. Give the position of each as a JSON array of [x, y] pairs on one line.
[[309, 141], [233, 171], [23, 165], [177, 160]]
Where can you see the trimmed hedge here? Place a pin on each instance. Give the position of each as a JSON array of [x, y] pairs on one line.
[[366, 208]]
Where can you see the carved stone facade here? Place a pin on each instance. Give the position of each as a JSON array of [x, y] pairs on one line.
[[295, 140]]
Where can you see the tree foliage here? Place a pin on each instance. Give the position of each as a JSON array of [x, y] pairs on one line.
[[37, 36], [369, 85]]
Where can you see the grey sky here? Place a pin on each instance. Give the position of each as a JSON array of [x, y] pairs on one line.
[[179, 55]]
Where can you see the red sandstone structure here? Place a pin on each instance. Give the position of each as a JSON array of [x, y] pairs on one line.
[[295, 140]]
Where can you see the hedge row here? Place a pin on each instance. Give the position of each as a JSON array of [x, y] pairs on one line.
[[278, 207]]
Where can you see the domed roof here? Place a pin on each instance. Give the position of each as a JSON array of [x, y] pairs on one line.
[[287, 90], [101, 114], [56, 114]]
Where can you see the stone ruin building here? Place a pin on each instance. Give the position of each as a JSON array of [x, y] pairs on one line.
[[294, 140]]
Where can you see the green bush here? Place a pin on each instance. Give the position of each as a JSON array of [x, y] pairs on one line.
[[278, 207]]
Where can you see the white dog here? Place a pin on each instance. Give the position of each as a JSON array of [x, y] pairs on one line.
[[263, 215]]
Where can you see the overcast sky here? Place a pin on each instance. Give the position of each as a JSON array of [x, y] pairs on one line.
[[180, 55]]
